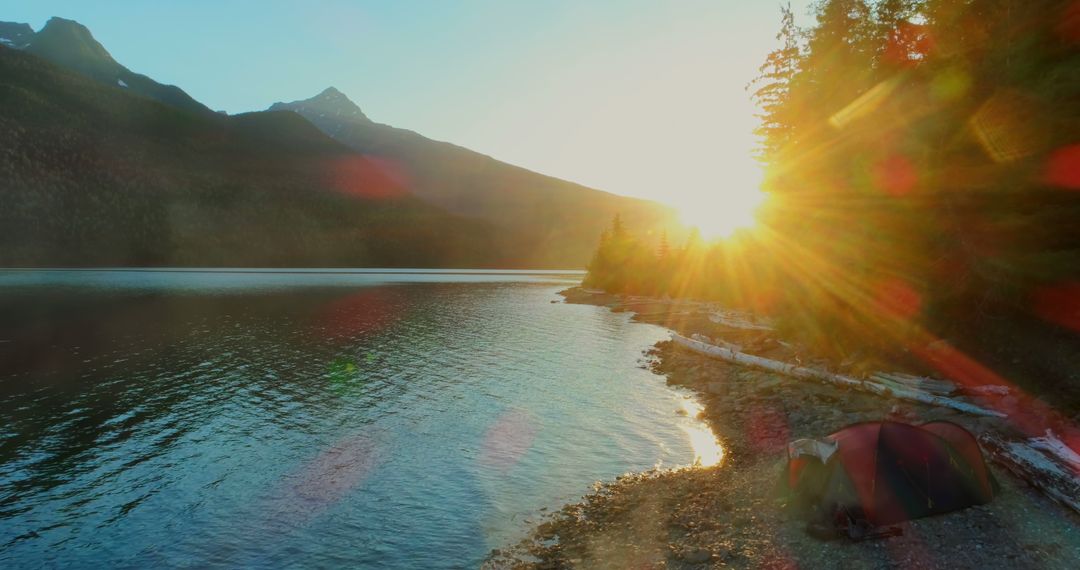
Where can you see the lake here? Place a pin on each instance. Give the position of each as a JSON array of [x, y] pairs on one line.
[[314, 418]]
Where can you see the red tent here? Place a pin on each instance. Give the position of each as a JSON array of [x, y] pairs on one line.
[[886, 472]]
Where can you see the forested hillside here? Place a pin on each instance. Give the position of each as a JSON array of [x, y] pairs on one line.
[[923, 175], [212, 189], [555, 222], [70, 44], [95, 175], [924, 156]]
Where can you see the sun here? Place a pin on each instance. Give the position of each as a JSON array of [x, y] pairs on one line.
[[719, 214]]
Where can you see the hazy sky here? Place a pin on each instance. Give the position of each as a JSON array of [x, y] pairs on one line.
[[637, 97]]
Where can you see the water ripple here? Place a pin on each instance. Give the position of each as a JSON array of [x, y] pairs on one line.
[[401, 425]]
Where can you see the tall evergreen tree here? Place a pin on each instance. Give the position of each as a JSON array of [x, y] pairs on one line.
[[664, 249], [839, 57], [772, 89]]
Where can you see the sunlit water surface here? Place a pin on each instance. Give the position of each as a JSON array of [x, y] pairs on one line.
[[311, 419]]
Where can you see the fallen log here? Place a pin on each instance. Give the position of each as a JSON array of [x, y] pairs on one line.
[[987, 390], [804, 373], [717, 342], [661, 313], [1051, 445], [1045, 472], [932, 385], [625, 304], [737, 322]]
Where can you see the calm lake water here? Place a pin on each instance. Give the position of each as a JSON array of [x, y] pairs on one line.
[[310, 419]]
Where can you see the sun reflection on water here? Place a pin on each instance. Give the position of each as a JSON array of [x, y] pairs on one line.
[[707, 450]]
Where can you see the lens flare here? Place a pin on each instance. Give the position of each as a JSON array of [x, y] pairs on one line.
[[369, 177], [1063, 167], [508, 439]]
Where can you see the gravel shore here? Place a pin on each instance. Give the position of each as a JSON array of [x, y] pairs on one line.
[[732, 515]]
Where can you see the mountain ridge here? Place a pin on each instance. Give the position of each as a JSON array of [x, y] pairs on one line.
[[70, 44], [91, 175], [558, 215], [329, 101], [539, 220], [15, 35]]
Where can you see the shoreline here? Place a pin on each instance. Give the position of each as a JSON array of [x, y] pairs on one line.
[[731, 515]]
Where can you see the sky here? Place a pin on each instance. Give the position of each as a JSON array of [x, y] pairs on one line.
[[636, 97]]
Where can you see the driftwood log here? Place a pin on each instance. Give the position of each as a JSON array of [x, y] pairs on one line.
[[737, 321], [1046, 472], [932, 385], [804, 373]]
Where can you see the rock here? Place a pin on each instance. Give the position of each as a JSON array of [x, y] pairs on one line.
[[695, 555], [901, 413], [769, 386], [718, 388]]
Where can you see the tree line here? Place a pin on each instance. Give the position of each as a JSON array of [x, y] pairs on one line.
[[922, 160]]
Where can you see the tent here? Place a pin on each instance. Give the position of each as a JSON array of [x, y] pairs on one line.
[[880, 473]]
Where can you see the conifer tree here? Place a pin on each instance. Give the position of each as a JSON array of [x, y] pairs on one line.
[[772, 88], [663, 250]]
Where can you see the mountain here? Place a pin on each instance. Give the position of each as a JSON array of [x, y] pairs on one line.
[[330, 102], [102, 165], [70, 44], [558, 221], [96, 175], [15, 35]]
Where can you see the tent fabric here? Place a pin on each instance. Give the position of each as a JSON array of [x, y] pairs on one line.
[[887, 472]]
